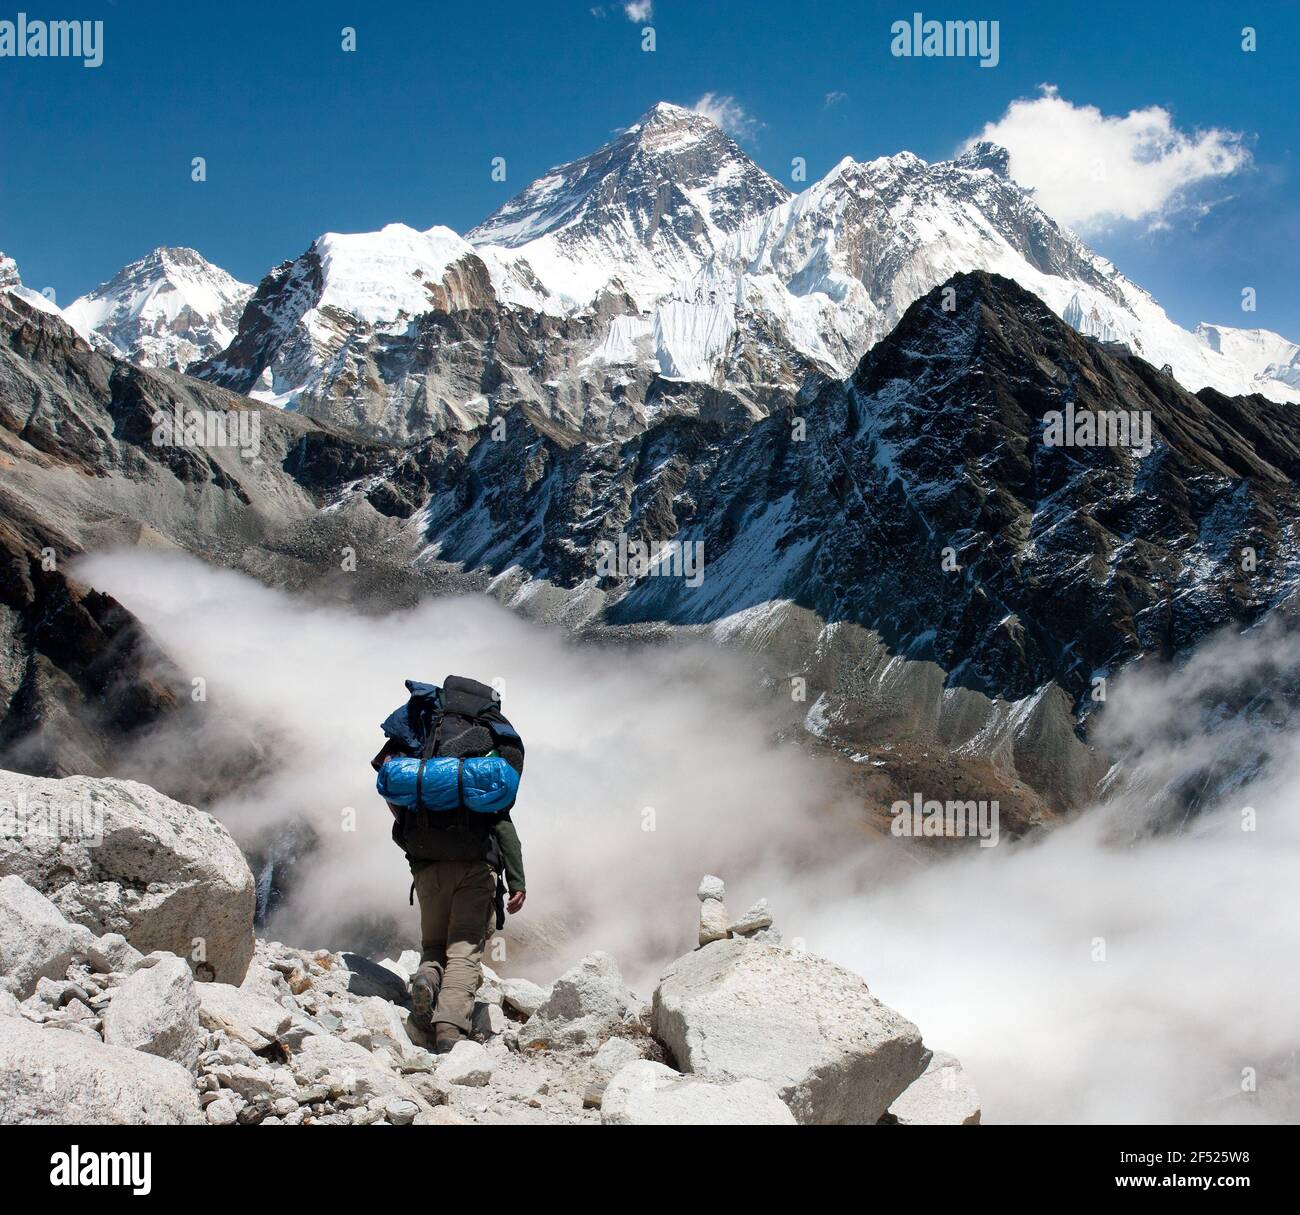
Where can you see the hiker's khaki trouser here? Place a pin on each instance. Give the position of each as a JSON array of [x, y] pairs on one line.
[[457, 916]]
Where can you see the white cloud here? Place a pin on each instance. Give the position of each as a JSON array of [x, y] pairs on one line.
[[835, 97], [728, 113], [639, 10], [1090, 169]]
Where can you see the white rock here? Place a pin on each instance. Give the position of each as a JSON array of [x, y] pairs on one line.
[[256, 1083], [712, 888], [8, 1004], [163, 874], [36, 941], [754, 920], [409, 961], [488, 1021], [587, 1003], [713, 921], [112, 952], [327, 1060], [63, 1078], [251, 1019], [221, 1112], [522, 995], [649, 1094], [943, 1095], [809, 1028], [400, 1112], [386, 1024], [156, 1011], [614, 1055], [467, 1063]]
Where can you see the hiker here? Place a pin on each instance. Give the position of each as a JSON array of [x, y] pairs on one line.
[[450, 771]]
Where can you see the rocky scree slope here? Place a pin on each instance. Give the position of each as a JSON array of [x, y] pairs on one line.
[[212, 1027]]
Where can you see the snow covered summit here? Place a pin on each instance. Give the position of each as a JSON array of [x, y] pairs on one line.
[[169, 309]]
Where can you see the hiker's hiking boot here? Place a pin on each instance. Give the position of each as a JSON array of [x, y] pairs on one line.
[[424, 995], [446, 1036]]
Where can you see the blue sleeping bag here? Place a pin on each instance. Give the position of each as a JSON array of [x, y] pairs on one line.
[[489, 784]]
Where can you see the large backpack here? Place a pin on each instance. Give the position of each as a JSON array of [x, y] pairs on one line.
[[439, 729]]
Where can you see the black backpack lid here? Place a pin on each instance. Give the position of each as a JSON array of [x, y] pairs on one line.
[[466, 697]]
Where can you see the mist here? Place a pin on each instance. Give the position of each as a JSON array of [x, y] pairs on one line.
[[1116, 969]]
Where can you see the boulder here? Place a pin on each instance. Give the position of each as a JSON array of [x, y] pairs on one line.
[[466, 1063], [522, 996], [488, 1021], [612, 1057], [221, 1112], [248, 1018], [757, 918], [157, 1011], [711, 887], [164, 875], [36, 941], [49, 1076], [400, 1111], [739, 1009], [349, 1068], [255, 1083], [587, 1003], [113, 952], [713, 921], [367, 978], [943, 1095], [649, 1094]]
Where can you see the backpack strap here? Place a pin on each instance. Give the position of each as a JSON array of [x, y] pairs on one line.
[[432, 738]]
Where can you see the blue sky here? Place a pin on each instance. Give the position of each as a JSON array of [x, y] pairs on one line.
[[302, 138]]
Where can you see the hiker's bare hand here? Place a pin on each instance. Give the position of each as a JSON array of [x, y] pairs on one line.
[[516, 901]]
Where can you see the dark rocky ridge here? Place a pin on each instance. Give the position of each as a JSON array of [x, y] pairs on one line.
[[822, 552]]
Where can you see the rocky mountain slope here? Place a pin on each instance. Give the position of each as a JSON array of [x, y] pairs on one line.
[[93, 1029], [169, 309], [81, 471], [948, 588], [823, 530]]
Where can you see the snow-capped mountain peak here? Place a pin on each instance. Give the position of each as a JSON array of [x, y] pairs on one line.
[[838, 264], [169, 309], [986, 155], [645, 209], [12, 284], [667, 258], [1266, 355]]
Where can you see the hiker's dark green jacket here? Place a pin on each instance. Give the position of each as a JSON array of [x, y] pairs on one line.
[[512, 854]]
